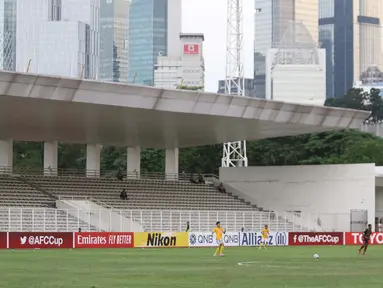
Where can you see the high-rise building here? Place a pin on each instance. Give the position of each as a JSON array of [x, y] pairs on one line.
[[272, 17], [351, 33], [8, 34], [296, 69], [114, 40], [58, 37], [187, 69], [154, 28]]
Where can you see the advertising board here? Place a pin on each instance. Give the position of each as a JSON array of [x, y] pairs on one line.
[[3, 240], [207, 239], [315, 238], [356, 238], [255, 238], [161, 239], [104, 240], [32, 240]]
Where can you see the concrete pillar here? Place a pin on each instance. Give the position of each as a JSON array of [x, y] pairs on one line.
[[133, 163], [6, 156], [171, 164], [93, 155], [50, 158]]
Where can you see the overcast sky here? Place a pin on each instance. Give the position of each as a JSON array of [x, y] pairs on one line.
[[209, 17]]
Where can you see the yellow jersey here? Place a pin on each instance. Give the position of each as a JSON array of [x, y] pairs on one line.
[[265, 233], [218, 233]]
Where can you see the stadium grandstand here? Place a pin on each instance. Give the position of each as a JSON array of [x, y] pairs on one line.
[[55, 109]]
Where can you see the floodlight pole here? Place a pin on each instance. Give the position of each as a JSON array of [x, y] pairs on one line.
[[234, 153]]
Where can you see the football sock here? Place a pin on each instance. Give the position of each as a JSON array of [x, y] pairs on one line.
[[221, 251], [216, 251]]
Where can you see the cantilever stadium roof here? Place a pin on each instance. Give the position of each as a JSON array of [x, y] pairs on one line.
[[47, 108]]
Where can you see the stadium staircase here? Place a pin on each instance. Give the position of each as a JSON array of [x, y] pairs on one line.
[[156, 204], [25, 208]]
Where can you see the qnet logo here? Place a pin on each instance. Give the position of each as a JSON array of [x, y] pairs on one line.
[[40, 240]]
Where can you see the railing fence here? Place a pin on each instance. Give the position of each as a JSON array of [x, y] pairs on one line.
[[50, 219]]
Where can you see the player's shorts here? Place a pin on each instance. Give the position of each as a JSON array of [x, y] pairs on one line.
[[265, 240], [219, 242], [365, 240]]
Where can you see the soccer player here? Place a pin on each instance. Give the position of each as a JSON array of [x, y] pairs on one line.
[[366, 238], [265, 237], [219, 231]]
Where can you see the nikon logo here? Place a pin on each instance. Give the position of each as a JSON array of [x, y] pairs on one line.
[[156, 239]]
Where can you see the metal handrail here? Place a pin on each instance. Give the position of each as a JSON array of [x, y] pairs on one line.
[[100, 173]]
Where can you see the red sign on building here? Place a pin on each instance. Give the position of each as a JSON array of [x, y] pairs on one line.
[[31, 240], [310, 238], [356, 238], [191, 49], [104, 240]]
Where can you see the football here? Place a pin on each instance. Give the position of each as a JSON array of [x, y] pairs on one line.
[[315, 256]]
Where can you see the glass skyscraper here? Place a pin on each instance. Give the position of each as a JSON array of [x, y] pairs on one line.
[[272, 17], [58, 37], [154, 27], [8, 34], [114, 40], [351, 33]]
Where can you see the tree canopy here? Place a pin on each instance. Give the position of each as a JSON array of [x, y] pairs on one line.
[[338, 147]]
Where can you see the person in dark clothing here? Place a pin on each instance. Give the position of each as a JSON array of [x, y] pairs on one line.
[[366, 239], [124, 195], [221, 188], [187, 226], [200, 179], [119, 175], [79, 230], [192, 179]]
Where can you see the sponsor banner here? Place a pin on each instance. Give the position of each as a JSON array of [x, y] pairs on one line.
[[161, 239], [356, 238], [3, 240], [313, 238], [255, 238], [30, 240], [207, 239], [104, 240], [191, 49]]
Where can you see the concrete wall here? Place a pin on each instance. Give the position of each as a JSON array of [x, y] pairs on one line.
[[102, 218], [328, 192], [379, 201]]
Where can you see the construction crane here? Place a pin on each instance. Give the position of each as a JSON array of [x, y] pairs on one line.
[[234, 153]]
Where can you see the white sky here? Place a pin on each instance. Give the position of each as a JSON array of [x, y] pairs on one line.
[[209, 17]]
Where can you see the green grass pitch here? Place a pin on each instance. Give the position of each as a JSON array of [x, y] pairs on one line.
[[338, 266]]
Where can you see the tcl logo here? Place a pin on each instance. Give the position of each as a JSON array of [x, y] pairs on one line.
[[38, 240], [355, 238], [311, 238]]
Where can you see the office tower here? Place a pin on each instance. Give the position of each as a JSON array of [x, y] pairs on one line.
[[350, 31], [187, 69], [114, 40], [295, 69], [58, 37], [154, 27], [8, 35], [272, 17]]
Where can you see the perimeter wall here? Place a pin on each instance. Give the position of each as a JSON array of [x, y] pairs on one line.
[[329, 191]]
